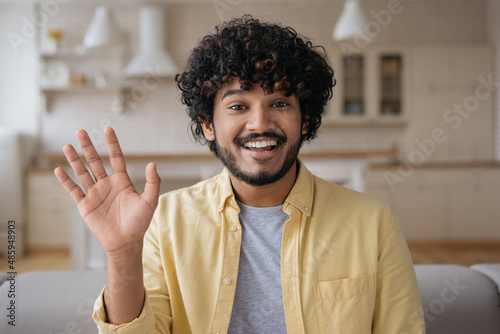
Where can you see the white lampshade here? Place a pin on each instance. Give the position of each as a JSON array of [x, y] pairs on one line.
[[352, 20], [102, 32], [152, 57]]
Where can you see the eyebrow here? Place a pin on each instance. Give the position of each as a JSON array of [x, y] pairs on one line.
[[233, 92]]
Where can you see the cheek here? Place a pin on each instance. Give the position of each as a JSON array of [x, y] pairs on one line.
[[295, 126], [226, 133]]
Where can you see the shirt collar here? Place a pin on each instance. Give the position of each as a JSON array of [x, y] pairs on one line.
[[301, 195], [225, 192]]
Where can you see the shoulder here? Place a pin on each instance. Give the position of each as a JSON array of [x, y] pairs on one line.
[[350, 213], [328, 192]]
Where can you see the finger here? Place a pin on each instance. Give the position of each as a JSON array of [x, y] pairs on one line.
[[115, 152], [78, 167], [71, 187], [152, 187], [93, 159]]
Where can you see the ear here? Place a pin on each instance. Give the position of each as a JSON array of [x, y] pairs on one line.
[[304, 127], [208, 131]]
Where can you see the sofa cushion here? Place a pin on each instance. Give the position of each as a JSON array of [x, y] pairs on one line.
[[53, 302], [458, 300]]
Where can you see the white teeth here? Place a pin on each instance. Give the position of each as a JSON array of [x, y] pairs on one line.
[[259, 144]]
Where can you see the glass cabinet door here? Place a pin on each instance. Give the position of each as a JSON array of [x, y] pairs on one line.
[[371, 87], [390, 85], [353, 86]]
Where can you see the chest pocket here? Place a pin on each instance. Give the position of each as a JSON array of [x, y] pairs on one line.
[[345, 305]]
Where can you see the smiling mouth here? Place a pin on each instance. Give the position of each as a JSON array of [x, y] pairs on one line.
[[261, 145]]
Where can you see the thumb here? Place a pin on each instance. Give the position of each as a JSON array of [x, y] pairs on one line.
[[152, 187]]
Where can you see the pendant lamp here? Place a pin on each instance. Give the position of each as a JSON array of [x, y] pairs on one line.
[[102, 32], [352, 20]]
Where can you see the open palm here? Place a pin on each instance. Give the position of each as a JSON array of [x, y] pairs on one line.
[[111, 207]]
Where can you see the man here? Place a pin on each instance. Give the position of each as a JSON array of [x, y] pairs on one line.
[[263, 247]]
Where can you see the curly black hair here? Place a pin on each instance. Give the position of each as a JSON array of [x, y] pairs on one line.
[[255, 52]]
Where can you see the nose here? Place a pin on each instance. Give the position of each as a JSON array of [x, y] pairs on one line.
[[260, 119]]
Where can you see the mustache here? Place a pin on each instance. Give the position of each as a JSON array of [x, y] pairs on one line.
[[266, 134]]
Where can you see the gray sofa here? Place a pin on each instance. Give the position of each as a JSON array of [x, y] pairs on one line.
[[456, 300]]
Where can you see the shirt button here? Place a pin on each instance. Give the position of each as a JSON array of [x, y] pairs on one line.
[[232, 228], [227, 280], [306, 209]]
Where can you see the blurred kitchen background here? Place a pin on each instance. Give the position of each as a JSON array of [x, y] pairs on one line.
[[414, 120]]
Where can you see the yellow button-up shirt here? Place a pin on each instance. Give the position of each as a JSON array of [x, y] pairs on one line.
[[345, 266]]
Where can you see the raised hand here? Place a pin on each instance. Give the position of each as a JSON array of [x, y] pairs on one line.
[[110, 206]]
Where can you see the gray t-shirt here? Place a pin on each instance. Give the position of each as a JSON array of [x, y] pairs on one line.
[[258, 302]]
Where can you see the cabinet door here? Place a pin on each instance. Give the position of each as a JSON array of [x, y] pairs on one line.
[[427, 112], [49, 212], [420, 206], [418, 209], [470, 63], [449, 92], [475, 206], [430, 67], [472, 127], [377, 184], [371, 86], [421, 212]]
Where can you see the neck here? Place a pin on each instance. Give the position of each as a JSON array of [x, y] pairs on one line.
[[265, 196]]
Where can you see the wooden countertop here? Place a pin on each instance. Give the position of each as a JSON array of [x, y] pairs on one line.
[[440, 165], [51, 160], [56, 158]]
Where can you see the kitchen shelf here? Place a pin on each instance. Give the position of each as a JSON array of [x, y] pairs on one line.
[[72, 54], [115, 87], [70, 71]]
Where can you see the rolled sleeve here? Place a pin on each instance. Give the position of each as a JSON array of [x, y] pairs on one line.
[[145, 323]]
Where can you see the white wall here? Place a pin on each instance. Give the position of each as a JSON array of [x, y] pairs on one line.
[[18, 68], [18, 115]]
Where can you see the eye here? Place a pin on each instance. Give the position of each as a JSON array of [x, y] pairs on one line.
[[237, 107], [280, 104]]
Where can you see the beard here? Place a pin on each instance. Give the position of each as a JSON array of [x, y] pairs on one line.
[[261, 178]]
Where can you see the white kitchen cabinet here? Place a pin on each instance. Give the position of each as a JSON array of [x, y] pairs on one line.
[[439, 87], [371, 87], [445, 204], [49, 220], [430, 67], [473, 133], [421, 212], [475, 209], [418, 205], [448, 91], [427, 110], [469, 63]]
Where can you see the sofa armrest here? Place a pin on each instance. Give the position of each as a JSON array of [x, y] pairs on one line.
[[3, 277], [458, 300], [53, 302], [491, 270]]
